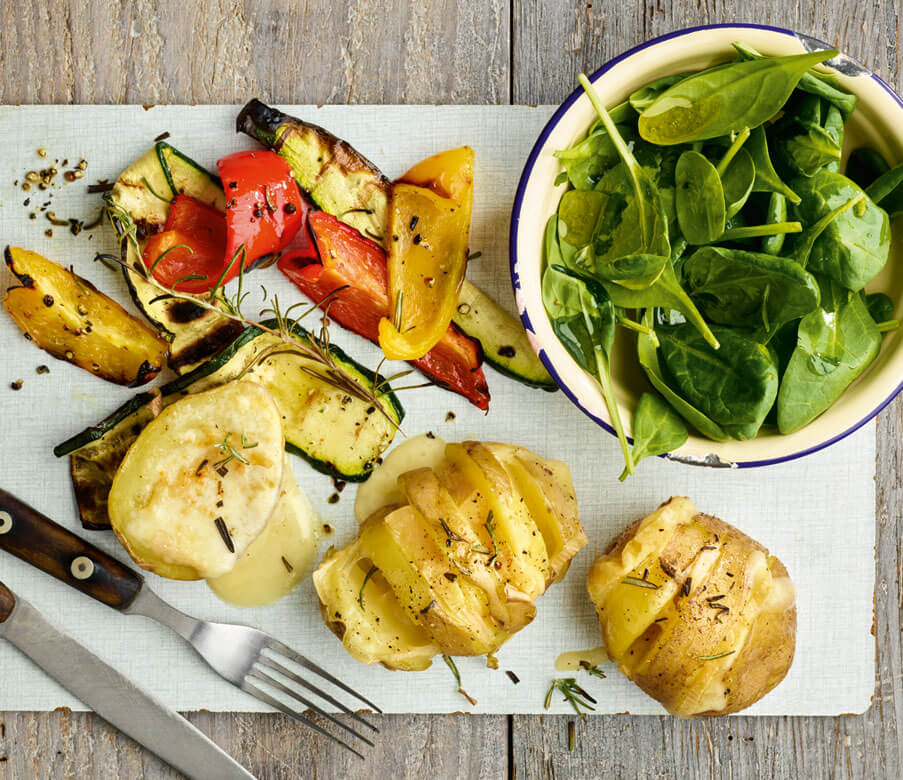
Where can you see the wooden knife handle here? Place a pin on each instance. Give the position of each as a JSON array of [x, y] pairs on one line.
[[37, 540], [7, 602]]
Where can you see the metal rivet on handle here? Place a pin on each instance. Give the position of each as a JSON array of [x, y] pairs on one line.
[[6, 522], [82, 568]]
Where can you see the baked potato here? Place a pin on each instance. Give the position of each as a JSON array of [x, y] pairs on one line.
[[450, 557], [200, 482], [697, 614]]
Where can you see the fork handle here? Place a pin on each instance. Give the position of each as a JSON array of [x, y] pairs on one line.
[[38, 540]]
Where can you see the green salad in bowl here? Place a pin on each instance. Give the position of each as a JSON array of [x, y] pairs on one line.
[[717, 222]]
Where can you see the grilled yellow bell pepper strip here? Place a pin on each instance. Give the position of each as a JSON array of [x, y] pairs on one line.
[[429, 232]]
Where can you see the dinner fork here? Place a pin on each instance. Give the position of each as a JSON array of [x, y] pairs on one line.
[[248, 658]]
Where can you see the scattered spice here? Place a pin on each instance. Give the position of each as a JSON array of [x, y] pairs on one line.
[[289, 208], [42, 369], [288, 567], [417, 239], [450, 417], [102, 186], [42, 152], [686, 587], [327, 528], [200, 470], [224, 532], [17, 385], [474, 256], [512, 676], [162, 137], [48, 301], [414, 221], [49, 232], [464, 309], [333, 499], [338, 484], [507, 351], [430, 435]]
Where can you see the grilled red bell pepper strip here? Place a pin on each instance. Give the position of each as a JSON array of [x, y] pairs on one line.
[[351, 261], [189, 255], [263, 204]]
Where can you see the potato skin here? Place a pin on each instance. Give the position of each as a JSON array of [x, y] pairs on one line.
[[721, 579]]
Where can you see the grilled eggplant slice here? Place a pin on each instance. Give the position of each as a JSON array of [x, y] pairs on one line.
[[71, 319], [337, 434], [344, 183], [139, 205]]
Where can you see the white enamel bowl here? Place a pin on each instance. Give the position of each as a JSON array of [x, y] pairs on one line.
[[877, 122]]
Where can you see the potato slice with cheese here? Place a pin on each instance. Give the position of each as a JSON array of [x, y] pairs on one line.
[[465, 537], [200, 482], [277, 560], [695, 612]]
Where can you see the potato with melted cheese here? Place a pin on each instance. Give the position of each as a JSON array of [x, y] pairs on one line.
[[200, 482], [456, 544], [697, 614]]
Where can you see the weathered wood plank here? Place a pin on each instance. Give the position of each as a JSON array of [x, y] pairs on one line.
[[225, 51], [552, 41], [551, 44]]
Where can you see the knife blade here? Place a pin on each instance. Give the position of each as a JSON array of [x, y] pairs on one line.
[[118, 700]]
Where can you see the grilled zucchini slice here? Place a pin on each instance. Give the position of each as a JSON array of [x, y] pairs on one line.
[[139, 205]]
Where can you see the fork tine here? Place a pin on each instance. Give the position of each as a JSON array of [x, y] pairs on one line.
[[275, 703], [270, 680], [271, 664], [275, 644]]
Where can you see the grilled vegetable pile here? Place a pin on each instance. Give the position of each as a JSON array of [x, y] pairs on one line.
[[708, 214], [695, 612], [452, 554]]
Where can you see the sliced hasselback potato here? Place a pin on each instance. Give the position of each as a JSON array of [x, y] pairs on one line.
[[697, 614], [345, 184], [464, 546], [138, 206], [337, 434], [200, 482], [68, 317]]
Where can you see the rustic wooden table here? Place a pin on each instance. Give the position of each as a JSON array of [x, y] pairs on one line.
[[417, 51]]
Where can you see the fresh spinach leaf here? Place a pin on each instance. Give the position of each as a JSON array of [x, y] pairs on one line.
[[666, 293], [734, 386], [887, 191], [583, 319], [748, 289], [847, 236], [586, 162], [769, 230], [657, 429], [864, 165], [646, 95], [881, 308], [641, 229], [647, 354], [775, 215], [724, 100], [767, 179], [835, 344], [578, 216], [699, 199], [814, 82], [833, 124], [804, 145], [737, 181]]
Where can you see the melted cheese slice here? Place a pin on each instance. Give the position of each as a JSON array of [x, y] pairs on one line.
[[381, 489], [280, 557], [180, 484]]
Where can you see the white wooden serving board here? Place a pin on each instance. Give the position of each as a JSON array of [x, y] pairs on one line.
[[817, 514]]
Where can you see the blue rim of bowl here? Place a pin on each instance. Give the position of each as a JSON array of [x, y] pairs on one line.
[[515, 221]]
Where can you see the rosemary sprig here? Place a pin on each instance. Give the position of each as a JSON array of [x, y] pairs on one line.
[[640, 583], [573, 694], [714, 657], [360, 593], [490, 527], [230, 452], [450, 662], [294, 339], [591, 670], [224, 533]]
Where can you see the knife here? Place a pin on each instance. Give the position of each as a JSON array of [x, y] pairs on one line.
[[118, 700]]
